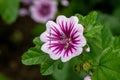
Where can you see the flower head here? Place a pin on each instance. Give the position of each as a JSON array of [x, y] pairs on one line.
[[87, 49], [23, 12], [43, 10], [63, 39], [64, 2], [87, 77], [26, 2]]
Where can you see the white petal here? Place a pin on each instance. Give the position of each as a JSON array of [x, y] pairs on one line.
[[63, 22], [50, 25], [45, 48], [61, 19], [55, 56], [82, 41], [43, 37], [74, 20], [52, 54], [87, 77], [80, 28], [71, 55]]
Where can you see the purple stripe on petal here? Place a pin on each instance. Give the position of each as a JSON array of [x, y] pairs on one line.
[[56, 30]]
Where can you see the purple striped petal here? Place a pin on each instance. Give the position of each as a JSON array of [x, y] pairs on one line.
[[64, 39]]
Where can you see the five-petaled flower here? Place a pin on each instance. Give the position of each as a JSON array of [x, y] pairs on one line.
[[43, 10], [26, 2], [63, 39], [65, 2], [87, 77]]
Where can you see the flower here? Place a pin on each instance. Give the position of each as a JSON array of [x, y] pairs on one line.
[[87, 49], [43, 10], [23, 12], [63, 39], [87, 77], [64, 2], [26, 2]]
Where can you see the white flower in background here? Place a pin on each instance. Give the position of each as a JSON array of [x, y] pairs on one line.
[[87, 49], [63, 39], [23, 12], [64, 2], [26, 2], [43, 10], [87, 77]]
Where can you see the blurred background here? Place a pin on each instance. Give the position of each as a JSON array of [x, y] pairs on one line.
[[18, 27]]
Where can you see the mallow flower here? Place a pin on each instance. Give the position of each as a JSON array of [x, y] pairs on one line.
[[87, 49], [65, 2], [87, 77], [23, 12], [26, 2], [43, 10], [63, 39]]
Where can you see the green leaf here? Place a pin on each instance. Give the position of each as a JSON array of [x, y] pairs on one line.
[[61, 72], [103, 73], [108, 69], [9, 10], [98, 36], [108, 66], [34, 55], [116, 42], [105, 60], [37, 41], [110, 21], [107, 37], [91, 32], [90, 19], [2, 6], [100, 41], [66, 73], [89, 22], [81, 19], [47, 67]]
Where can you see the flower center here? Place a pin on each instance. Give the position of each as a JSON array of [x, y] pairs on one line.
[[44, 10], [66, 41]]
